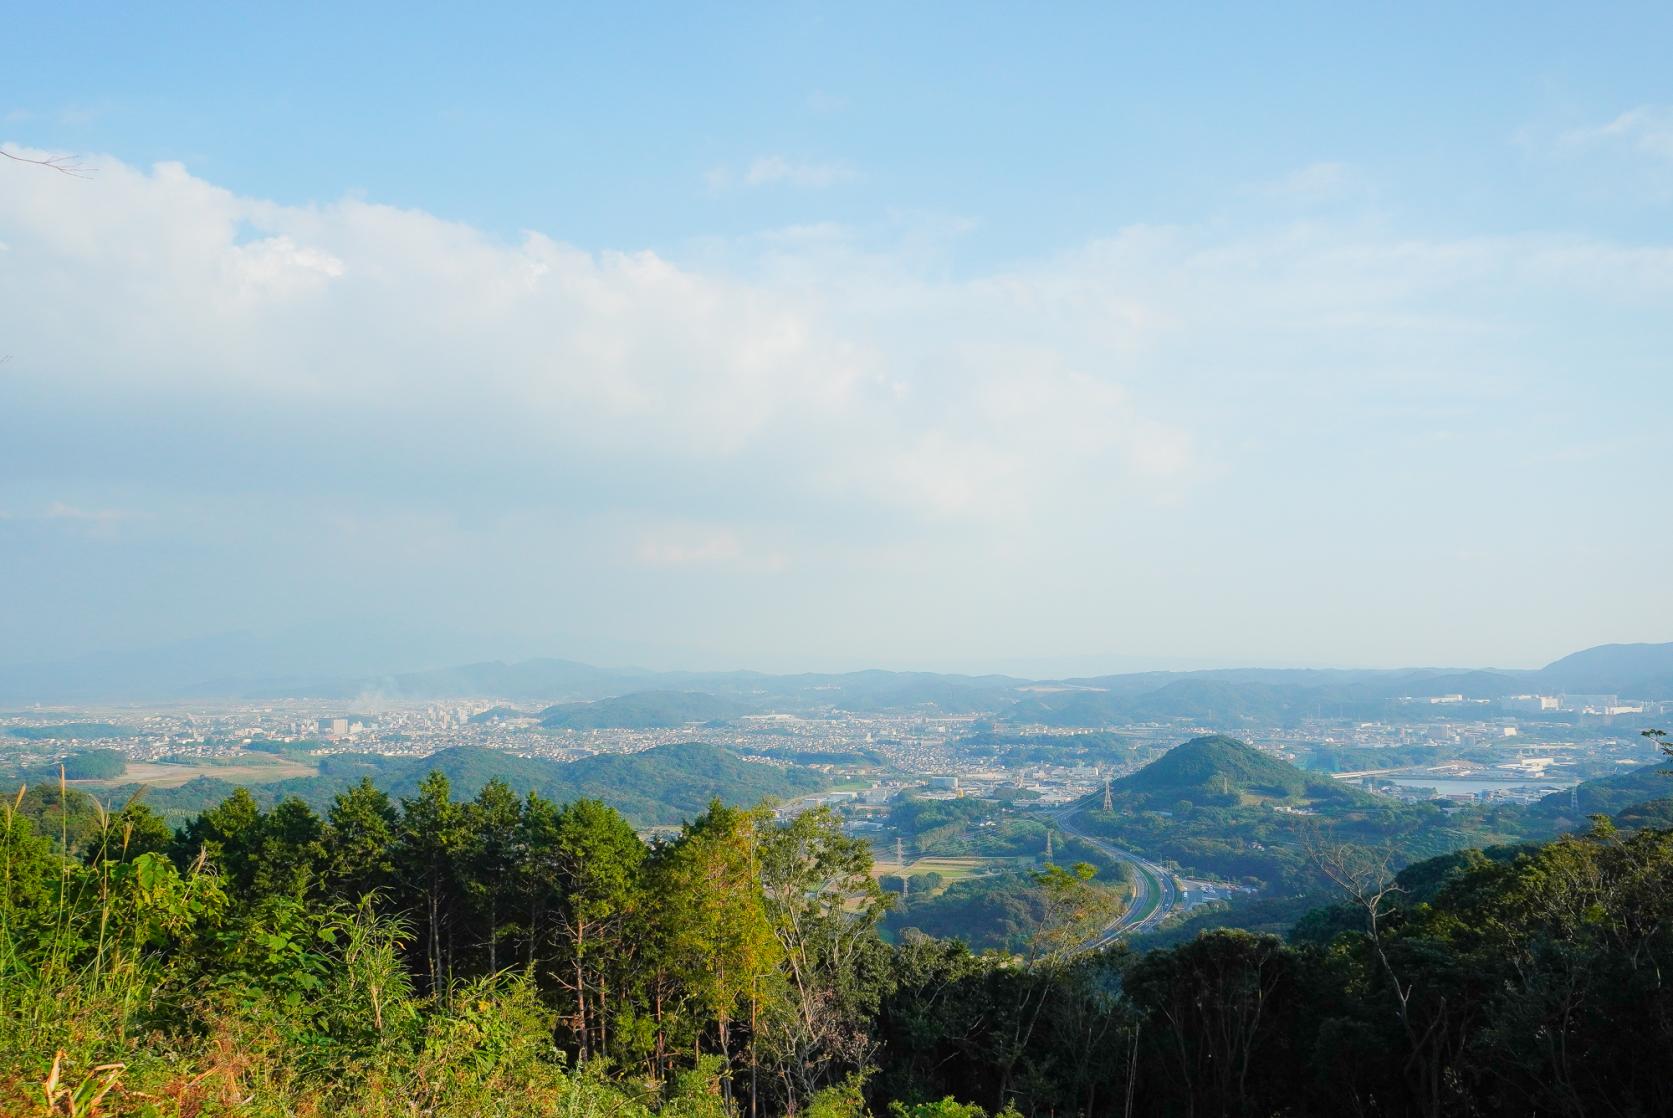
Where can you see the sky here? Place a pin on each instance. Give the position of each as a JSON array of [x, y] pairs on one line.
[[966, 337]]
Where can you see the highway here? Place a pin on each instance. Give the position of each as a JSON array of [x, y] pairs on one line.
[[1155, 894]]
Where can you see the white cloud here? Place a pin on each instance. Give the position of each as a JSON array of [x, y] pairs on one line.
[[1316, 182], [422, 407], [1646, 129], [777, 170], [164, 289], [1627, 158]]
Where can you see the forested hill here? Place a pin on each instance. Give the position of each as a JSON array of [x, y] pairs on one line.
[[1631, 669], [1220, 766], [642, 710], [1609, 795], [661, 785], [674, 782]]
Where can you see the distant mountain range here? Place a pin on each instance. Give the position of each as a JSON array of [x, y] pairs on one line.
[[1267, 696], [1228, 697]]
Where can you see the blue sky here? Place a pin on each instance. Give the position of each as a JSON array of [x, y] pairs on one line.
[[815, 336]]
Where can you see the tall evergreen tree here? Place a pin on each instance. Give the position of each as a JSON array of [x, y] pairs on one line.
[[599, 860], [720, 941], [360, 840], [428, 841], [491, 835]]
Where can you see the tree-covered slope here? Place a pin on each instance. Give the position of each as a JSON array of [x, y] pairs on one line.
[[642, 710], [1609, 794], [1221, 766], [427, 956], [674, 782], [664, 784], [1217, 806]]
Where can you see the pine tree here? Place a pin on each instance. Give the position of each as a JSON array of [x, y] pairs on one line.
[[360, 837]]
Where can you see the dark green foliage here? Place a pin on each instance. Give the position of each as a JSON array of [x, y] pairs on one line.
[[1608, 795], [917, 884], [942, 827], [1650, 815], [1223, 1013], [95, 764], [1001, 912], [360, 836], [1005, 911]]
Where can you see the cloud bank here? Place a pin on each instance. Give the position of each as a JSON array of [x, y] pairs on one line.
[[369, 404]]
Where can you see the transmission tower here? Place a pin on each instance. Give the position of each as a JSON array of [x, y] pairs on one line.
[[1109, 803], [1048, 844]]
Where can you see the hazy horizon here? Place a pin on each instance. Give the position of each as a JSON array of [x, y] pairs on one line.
[[370, 652], [932, 338]]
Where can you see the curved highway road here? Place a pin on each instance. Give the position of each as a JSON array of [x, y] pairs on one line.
[[1155, 893]]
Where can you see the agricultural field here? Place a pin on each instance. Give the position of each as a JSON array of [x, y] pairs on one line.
[[951, 869], [237, 768]]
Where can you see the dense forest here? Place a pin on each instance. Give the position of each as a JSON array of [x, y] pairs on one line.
[[509, 955]]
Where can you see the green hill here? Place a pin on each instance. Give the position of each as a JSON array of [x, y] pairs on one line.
[[664, 784], [1217, 806], [468, 768], [674, 782], [1608, 795], [642, 710], [1220, 767]]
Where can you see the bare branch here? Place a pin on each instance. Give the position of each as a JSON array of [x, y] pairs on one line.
[[63, 164]]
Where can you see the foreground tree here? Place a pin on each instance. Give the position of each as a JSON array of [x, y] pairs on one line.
[[824, 909]]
